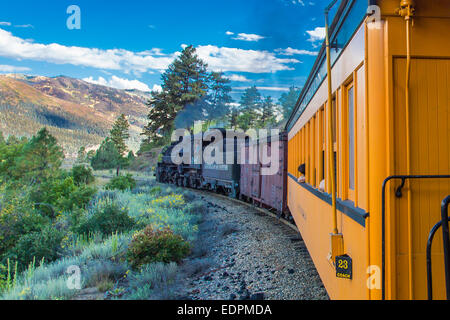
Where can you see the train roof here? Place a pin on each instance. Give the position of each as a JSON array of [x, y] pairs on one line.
[[349, 16]]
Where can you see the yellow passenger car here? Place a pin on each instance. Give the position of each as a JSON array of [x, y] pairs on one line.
[[390, 126]]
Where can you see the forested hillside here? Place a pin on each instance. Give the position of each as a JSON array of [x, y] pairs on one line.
[[77, 113]]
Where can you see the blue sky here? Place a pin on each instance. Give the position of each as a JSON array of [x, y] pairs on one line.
[[127, 44]]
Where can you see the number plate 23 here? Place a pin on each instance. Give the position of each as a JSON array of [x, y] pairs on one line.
[[344, 267]]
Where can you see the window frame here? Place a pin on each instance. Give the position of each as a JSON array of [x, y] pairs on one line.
[[351, 193]]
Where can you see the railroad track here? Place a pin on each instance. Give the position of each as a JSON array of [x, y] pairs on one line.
[[262, 210]]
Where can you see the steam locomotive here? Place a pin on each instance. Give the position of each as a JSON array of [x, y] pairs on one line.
[[241, 179]]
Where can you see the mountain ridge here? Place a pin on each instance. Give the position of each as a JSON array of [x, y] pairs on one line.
[[77, 112]]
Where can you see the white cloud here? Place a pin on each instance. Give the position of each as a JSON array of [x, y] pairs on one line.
[[112, 59], [24, 26], [300, 2], [317, 34], [248, 37], [120, 83], [240, 60], [290, 52], [157, 88], [229, 33], [5, 23], [13, 69], [218, 58], [238, 78], [264, 88]]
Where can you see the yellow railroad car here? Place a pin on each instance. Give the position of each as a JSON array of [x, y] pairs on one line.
[[386, 128]]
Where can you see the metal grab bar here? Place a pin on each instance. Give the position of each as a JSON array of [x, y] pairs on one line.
[[383, 218], [429, 269], [446, 241]]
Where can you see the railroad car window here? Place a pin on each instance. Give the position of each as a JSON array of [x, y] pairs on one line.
[[349, 21], [322, 146], [333, 110], [351, 138]]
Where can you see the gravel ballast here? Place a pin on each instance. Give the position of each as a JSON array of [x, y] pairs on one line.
[[244, 254]]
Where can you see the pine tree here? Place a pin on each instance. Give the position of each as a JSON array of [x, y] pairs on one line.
[[90, 155], [81, 157], [250, 105], [218, 98], [288, 101], [10, 151], [41, 157], [184, 82], [268, 116], [233, 118], [107, 156], [119, 134]]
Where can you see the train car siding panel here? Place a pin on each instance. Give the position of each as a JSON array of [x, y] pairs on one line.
[[313, 217]]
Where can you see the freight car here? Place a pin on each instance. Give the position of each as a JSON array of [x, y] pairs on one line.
[[268, 191]]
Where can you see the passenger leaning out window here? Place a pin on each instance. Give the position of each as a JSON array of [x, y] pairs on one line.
[[302, 170]]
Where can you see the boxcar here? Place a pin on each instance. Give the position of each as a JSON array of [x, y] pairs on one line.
[[266, 190], [390, 75]]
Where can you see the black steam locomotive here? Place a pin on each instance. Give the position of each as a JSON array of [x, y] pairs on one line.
[[242, 181], [221, 178]]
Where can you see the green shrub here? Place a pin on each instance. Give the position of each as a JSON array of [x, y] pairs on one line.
[[3, 277], [121, 183], [79, 198], [82, 175], [107, 219], [62, 194], [149, 246], [17, 220], [46, 243], [155, 190]]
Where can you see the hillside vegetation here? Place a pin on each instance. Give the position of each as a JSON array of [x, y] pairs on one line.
[[125, 238], [77, 113]]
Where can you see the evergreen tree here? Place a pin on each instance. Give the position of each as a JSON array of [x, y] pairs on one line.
[[90, 155], [41, 157], [119, 134], [107, 156], [184, 82], [81, 157], [218, 99], [268, 116], [233, 118], [131, 156], [10, 151], [250, 103], [288, 101]]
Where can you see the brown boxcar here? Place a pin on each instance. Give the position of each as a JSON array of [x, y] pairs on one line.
[[250, 181], [273, 187], [266, 190]]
